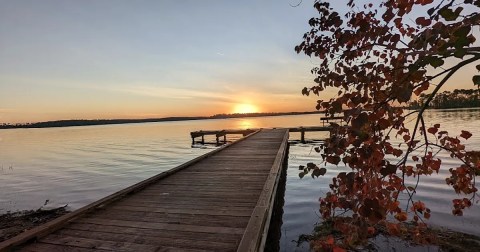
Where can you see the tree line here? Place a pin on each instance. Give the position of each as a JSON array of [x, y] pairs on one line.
[[84, 122], [458, 98]]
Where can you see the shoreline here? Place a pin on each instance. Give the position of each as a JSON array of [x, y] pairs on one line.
[[94, 122], [15, 223]]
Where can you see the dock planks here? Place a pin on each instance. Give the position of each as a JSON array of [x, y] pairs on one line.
[[221, 201]]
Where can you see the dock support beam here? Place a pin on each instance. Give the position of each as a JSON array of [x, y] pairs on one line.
[[302, 135]]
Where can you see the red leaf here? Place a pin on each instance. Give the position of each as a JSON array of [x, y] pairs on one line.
[[422, 88], [333, 159], [417, 91], [425, 2], [457, 212], [330, 240], [393, 228], [383, 123], [423, 21], [432, 130], [371, 230], [465, 134], [361, 120], [338, 249], [402, 216]]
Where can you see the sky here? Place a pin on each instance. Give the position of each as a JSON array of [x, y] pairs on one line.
[[99, 59]]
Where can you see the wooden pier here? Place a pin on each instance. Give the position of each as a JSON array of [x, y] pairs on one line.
[[218, 134], [244, 132], [328, 119], [302, 131], [221, 201]]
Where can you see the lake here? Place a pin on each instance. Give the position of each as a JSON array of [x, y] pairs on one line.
[[78, 165]]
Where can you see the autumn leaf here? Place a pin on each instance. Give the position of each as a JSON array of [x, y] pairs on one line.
[[389, 169], [425, 2], [436, 62], [465, 134], [448, 14], [330, 240], [383, 123], [319, 172], [338, 249], [333, 159], [423, 21], [432, 130], [301, 174], [305, 91], [422, 88], [359, 121], [402, 216], [393, 228], [476, 79], [457, 212], [371, 230]]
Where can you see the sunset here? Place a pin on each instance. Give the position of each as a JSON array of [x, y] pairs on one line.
[[95, 60], [248, 126], [245, 108], [64, 60]]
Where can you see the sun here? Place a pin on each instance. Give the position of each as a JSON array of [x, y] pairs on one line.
[[245, 108]]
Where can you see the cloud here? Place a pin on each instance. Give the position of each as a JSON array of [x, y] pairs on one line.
[[176, 93], [221, 54]]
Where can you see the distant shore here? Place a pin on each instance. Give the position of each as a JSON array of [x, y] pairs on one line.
[[81, 122]]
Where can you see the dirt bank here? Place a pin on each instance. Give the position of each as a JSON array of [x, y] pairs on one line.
[[12, 224]]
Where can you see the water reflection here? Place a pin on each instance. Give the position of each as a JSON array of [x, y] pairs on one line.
[[78, 165], [246, 123]]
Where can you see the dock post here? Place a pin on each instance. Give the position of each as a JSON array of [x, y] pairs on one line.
[[203, 139], [225, 139], [302, 135], [218, 142], [193, 138]]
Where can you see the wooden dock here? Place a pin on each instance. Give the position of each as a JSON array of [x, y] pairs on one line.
[[328, 119], [218, 134], [221, 201], [244, 132]]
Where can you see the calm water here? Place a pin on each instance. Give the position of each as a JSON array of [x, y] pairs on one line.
[[78, 165]]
